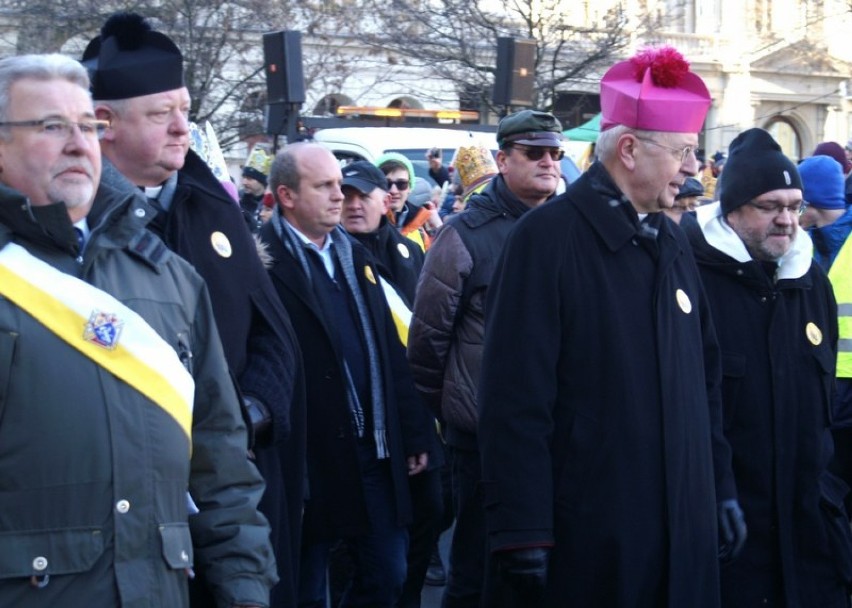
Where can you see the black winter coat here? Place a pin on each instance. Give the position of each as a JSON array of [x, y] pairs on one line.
[[598, 398], [336, 505], [778, 341]]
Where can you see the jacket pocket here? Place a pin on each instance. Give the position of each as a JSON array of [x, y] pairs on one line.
[[49, 552], [832, 492], [733, 371], [177, 545]]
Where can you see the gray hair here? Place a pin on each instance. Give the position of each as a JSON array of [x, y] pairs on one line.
[[605, 146], [39, 67], [607, 140]]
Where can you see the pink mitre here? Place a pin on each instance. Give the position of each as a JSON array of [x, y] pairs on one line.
[[654, 91]]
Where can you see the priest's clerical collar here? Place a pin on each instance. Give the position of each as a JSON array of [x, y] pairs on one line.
[[153, 191]]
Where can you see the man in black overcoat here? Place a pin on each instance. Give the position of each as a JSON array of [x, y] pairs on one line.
[[138, 86], [367, 427], [603, 461], [776, 320]]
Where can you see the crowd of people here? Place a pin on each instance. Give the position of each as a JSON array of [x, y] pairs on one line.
[[637, 393]]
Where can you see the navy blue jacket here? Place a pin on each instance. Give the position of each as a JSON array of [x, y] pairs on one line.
[[336, 505]]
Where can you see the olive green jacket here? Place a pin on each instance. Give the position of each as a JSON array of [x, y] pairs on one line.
[[94, 476]]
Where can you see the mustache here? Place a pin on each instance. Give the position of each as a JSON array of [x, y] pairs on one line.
[[77, 166]]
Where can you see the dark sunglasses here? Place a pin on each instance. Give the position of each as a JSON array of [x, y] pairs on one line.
[[401, 184], [536, 153]]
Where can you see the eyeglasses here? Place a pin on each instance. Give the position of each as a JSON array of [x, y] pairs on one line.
[[769, 209], [401, 184], [536, 153], [63, 129], [680, 153]]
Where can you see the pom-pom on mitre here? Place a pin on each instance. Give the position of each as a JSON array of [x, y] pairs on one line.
[[654, 91], [129, 29], [667, 65]]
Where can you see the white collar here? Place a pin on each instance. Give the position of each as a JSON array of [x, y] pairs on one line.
[[83, 226]]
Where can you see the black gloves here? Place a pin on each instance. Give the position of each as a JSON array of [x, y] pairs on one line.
[[732, 530], [523, 574]]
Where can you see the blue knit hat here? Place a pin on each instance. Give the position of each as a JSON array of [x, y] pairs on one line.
[[822, 178]]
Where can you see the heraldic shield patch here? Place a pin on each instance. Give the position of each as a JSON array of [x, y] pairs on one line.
[[103, 329]]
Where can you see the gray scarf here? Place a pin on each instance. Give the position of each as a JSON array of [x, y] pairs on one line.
[[342, 248]]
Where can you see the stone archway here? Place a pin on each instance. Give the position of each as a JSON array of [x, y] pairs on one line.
[[328, 105], [789, 135], [406, 102]]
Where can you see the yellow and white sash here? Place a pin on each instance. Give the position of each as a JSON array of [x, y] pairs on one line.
[[101, 328], [399, 311]]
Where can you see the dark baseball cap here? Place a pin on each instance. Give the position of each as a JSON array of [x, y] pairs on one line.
[[690, 187], [530, 128], [364, 176]]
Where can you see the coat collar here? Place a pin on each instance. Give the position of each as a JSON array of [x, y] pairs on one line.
[[614, 219], [493, 201], [46, 226]]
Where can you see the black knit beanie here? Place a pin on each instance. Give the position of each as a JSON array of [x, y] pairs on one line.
[[755, 165]]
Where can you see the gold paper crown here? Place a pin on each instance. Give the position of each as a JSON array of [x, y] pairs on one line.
[[475, 166], [259, 159]]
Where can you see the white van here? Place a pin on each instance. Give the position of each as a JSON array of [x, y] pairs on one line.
[[369, 143]]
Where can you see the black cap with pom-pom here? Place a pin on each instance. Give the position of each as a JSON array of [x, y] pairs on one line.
[[129, 59]]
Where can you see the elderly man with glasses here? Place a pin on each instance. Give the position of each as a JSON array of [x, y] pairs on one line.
[[118, 418], [776, 321], [599, 399], [445, 341]]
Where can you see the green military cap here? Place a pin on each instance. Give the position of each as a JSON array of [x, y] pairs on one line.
[[530, 128]]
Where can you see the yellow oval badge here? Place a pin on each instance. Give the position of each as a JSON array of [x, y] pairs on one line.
[[683, 301], [221, 244], [368, 272], [813, 333], [403, 250]]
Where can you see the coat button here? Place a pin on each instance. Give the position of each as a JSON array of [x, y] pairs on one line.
[[40, 564], [184, 556], [122, 506]]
